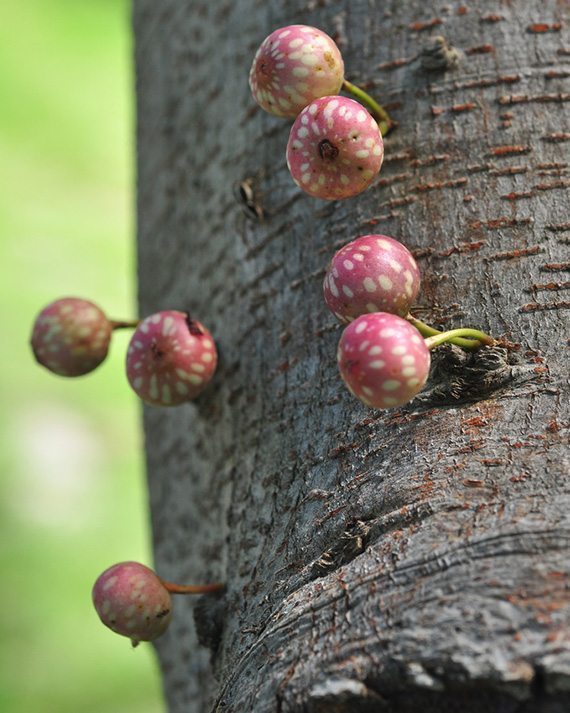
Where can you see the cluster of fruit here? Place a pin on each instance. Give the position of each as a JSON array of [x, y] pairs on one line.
[[371, 283], [335, 147], [335, 151], [170, 359]]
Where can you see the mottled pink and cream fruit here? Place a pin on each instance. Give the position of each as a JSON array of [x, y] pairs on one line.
[[335, 148], [373, 273], [293, 66], [383, 360], [170, 359], [71, 336], [132, 601]]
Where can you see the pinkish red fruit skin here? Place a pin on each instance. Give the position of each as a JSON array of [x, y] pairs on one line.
[[335, 148], [293, 66], [383, 360], [373, 273], [170, 360], [131, 600], [71, 336]]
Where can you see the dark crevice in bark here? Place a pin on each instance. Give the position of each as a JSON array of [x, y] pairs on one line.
[[209, 613], [538, 685], [512, 544], [351, 543], [458, 377], [480, 698], [438, 694]]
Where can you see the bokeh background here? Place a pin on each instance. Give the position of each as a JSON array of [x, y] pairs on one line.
[[73, 498]]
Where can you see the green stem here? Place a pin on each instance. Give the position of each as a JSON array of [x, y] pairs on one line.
[[427, 331], [119, 324], [438, 339], [385, 123], [192, 588]]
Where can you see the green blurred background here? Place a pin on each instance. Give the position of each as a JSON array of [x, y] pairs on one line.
[[73, 497]]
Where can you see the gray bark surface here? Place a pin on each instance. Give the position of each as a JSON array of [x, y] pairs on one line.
[[408, 560]]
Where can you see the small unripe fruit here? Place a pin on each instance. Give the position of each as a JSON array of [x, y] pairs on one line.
[[132, 601], [383, 360], [293, 66], [373, 273], [170, 359], [71, 336], [335, 148]]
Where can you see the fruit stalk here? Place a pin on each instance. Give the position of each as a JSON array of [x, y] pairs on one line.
[[124, 324], [193, 588], [482, 338], [385, 122], [427, 331]]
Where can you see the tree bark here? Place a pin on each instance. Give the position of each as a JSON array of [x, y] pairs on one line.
[[406, 560]]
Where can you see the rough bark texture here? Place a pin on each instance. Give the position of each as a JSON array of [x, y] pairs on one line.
[[408, 560]]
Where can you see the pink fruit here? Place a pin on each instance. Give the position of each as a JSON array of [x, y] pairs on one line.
[[293, 66], [170, 359], [383, 360], [335, 148], [132, 601], [71, 336], [373, 273]]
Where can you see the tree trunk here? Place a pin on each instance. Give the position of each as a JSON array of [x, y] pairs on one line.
[[406, 560]]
